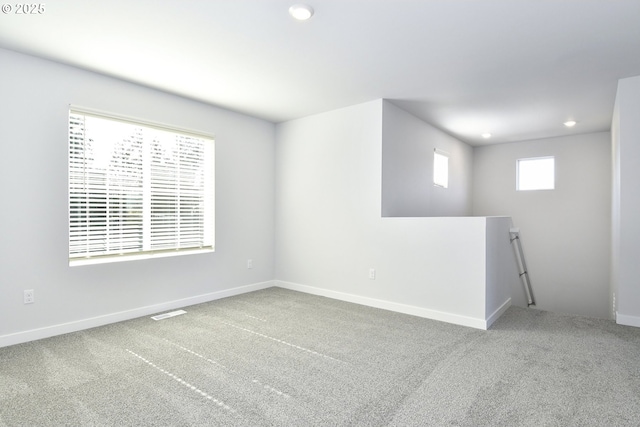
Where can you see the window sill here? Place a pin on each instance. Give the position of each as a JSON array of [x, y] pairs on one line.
[[135, 257]]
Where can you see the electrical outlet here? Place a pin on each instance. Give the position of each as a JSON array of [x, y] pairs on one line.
[[249, 264], [29, 296], [372, 273]]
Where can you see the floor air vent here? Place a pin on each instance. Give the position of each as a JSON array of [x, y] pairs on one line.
[[167, 315]]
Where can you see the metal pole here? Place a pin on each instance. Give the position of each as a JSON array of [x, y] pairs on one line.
[[524, 275]]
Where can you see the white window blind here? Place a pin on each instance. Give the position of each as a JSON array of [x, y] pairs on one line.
[[137, 188]]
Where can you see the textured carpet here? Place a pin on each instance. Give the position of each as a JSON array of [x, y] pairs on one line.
[[282, 358]]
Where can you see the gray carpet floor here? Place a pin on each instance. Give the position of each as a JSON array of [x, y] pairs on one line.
[[282, 358]]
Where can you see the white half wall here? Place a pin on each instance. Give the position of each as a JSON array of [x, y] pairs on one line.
[[565, 232], [34, 102], [408, 144], [626, 202], [330, 232]]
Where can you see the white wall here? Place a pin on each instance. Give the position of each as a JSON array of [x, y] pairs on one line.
[[407, 168], [503, 280], [626, 202], [329, 230], [34, 99], [565, 232]]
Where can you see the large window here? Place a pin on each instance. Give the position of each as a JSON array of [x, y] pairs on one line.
[[535, 174], [137, 189]]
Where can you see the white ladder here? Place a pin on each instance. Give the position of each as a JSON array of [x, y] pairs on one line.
[[522, 266]]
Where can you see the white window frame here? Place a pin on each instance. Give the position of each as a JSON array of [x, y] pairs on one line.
[[544, 182], [440, 162], [152, 195]]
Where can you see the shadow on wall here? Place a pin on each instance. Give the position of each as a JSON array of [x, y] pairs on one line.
[[425, 172]]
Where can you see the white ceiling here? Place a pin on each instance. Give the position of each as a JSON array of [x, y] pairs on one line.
[[515, 68]]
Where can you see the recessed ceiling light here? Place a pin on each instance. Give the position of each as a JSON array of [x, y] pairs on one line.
[[301, 12], [570, 123], [486, 135]]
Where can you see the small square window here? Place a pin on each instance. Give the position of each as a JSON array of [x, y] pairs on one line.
[[536, 174], [440, 169]]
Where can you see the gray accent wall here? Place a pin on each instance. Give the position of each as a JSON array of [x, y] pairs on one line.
[[565, 232]]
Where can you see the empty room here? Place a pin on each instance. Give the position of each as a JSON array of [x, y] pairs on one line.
[[326, 213]]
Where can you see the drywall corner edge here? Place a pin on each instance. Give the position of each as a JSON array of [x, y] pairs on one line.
[[496, 314]]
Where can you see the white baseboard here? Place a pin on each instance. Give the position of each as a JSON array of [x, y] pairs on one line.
[[624, 319], [79, 325], [391, 306], [499, 312]]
